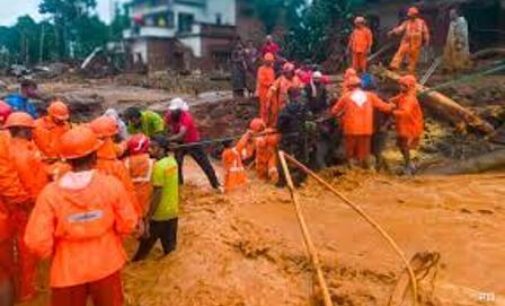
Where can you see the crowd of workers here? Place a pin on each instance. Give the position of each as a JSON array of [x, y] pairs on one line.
[[73, 192]]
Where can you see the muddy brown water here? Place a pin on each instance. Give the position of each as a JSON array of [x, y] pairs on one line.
[[245, 248]]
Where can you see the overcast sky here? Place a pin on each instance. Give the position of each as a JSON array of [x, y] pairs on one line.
[[10, 10]]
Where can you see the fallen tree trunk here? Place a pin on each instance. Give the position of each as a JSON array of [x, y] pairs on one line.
[[454, 112], [486, 162]]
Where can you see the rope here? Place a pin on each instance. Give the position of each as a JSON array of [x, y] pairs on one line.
[[311, 249], [367, 218]]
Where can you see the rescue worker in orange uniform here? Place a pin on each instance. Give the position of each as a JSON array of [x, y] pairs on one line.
[[265, 79], [415, 35], [79, 221], [360, 44], [12, 194], [248, 152], [278, 92], [409, 120], [266, 155], [106, 128], [49, 129], [235, 176], [34, 177], [356, 112], [140, 166]]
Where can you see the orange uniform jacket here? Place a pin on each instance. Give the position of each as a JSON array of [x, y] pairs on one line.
[[81, 228], [356, 108], [47, 135], [12, 192], [108, 163], [140, 168], [278, 96], [361, 40], [265, 79], [266, 155], [31, 170], [408, 115]]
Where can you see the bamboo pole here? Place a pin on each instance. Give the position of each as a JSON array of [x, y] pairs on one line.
[[305, 233], [369, 219]]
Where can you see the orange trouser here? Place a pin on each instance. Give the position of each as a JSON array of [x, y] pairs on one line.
[[358, 147], [359, 61], [104, 292], [6, 260], [26, 261], [411, 52]]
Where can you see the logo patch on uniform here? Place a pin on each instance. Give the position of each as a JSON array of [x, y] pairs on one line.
[[85, 217], [358, 97]]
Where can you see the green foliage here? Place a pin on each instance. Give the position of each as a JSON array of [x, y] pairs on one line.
[[121, 22], [314, 30]]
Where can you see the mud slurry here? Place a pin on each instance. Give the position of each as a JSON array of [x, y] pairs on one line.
[[245, 248]]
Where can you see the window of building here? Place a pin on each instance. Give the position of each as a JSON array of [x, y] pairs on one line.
[[219, 19], [185, 22]]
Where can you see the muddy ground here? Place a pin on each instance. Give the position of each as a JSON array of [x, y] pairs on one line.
[[246, 248]]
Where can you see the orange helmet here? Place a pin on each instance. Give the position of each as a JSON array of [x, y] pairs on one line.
[[5, 111], [78, 142], [19, 119], [288, 67], [58, 110], [104, 126], [354, 81], [413, 11], [350, 72], [257, 125], [359, 20], [409, 81], [269, 57], [138, 144]]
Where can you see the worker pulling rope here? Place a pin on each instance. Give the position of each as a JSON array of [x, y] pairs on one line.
[[362, 213]]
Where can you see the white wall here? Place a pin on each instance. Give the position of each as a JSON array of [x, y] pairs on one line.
[[227, 9], [194, 43]]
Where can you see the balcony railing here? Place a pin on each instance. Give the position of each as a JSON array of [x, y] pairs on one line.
[[149, 32]]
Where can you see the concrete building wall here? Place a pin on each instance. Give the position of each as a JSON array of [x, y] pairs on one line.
[[138, 49]]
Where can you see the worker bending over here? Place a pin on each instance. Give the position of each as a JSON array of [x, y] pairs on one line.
[[146, 122], [360, 44], [34, 177], [140, 166], [234, 173], [49, 129], [265, 79], [356, 112], [186, 133], [415, 34], [79, 221], [162, 217], [409, 120]]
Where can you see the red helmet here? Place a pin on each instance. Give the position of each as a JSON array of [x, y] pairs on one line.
[[5, 111], [138, 144], [288, 67]]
